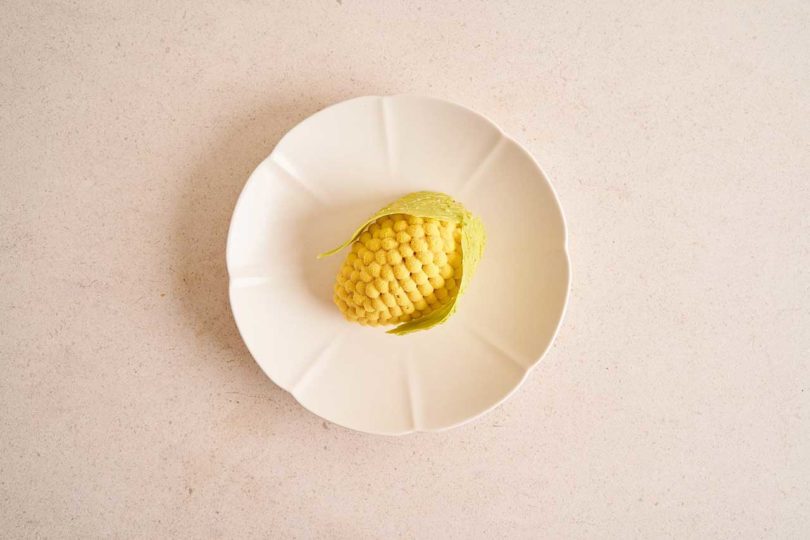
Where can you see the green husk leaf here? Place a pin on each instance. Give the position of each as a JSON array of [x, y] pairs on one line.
[[431, 204]]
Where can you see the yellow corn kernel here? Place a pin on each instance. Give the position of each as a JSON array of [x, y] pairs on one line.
[[440, 259], [389, 243], [431, 270], [405, 250], [388, 299], [415, 231], [437, 282], [401, 272], [419, 245], [393, 257], [402, 297], [425, 288], [435, 244], [413, 264]]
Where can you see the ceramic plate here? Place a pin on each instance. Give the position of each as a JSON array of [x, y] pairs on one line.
[[330, 173]]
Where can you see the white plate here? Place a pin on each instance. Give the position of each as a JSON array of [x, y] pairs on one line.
[[334, 170]]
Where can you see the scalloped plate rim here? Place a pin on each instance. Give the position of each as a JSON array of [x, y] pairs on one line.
[[562, 249]]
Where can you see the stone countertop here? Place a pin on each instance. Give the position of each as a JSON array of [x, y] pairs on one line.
[[675, 401]]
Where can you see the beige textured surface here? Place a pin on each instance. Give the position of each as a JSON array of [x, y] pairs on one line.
[[675, 402]]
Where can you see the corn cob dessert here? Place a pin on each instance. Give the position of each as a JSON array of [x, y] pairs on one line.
[[409, 263]]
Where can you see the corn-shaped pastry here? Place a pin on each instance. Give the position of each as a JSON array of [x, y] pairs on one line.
[[409, 263]]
